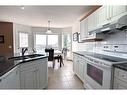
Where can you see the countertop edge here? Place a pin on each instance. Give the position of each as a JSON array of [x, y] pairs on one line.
[[32, 59], [120, 66]]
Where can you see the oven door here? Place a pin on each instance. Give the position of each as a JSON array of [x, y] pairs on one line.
[[97, 76]]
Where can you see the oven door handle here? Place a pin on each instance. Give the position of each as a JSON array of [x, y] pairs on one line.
[[101, 65]]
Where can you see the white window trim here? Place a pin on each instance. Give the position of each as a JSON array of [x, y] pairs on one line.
[[19, 38], [46, 39]]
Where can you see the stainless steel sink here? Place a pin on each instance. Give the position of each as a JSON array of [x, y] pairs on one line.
[[33, 55], [25, 57]]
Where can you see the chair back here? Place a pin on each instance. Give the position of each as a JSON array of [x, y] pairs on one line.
[[51, 54]]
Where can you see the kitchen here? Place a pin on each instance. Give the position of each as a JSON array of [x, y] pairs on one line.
[[95, 43]]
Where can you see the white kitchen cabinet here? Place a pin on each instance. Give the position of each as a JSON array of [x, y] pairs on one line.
[[81, 69], [103, 15], [10, 80], [108, 14], [84, 29], [78, 66], [117, 11], [118, 84], [120, 79], [92, 21], [43, 73], [33, 74], [29, 78], [75, 63]]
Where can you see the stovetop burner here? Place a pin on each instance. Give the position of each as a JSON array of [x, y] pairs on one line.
[[107, 58]]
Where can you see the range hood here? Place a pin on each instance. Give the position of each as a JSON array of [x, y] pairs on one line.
[[119, 24]]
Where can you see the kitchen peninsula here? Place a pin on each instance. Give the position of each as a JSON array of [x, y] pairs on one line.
[[24, 72]]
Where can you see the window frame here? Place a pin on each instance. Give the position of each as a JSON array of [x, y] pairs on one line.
[[57, 41], [19, 38], [46, 39]]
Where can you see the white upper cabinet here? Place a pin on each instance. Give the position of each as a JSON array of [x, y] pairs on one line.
[[117, 11], [92, 21], [107, 14], [84, 29], [103, 15]]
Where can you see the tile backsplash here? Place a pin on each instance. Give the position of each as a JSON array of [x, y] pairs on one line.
[[113, 42]]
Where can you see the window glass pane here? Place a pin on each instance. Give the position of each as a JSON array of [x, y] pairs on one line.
[[40, 42], [23, 39], [53, 41]]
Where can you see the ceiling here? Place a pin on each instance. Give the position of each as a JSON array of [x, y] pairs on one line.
[[38, 16]]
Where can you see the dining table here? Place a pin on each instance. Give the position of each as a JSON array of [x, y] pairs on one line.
[[57, 52]]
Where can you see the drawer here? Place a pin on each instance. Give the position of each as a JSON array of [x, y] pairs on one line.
[[121, 74]]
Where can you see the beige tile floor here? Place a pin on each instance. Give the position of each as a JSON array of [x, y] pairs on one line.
[[64, 77]]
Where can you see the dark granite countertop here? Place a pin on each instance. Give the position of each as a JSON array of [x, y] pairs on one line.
[[9, 64], [122, 66]]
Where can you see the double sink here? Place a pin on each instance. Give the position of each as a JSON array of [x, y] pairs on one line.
[[25, 57]]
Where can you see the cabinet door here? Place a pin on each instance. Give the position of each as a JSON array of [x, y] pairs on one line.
[[34, 74], [28, 78], [118, 84], [75, 64], [10, 80], [85, 68], [103, 15], [84, 29], [117, 11], [43, 73], [92, 21], [13, 79], [81, 70]]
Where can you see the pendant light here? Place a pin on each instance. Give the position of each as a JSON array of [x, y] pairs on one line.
[[49, 29]]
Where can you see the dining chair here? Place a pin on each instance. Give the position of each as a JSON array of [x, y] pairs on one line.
[[53, 57]]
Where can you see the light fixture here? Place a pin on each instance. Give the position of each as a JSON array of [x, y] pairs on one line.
[[22, 7], [49, 29]]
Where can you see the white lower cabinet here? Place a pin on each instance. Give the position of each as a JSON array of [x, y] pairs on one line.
[[28, 75], [78, 66], [29, 78], [118, 84], [33, 75], [120, 79], [10, 80]]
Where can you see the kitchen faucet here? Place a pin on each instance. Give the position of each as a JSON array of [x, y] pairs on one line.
[[24, 50]]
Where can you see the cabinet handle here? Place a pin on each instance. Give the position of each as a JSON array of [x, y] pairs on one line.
[[106, 24]]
